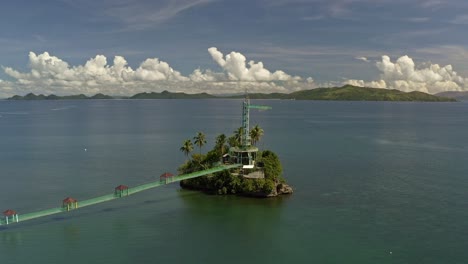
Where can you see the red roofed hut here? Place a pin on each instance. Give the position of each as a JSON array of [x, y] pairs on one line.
[[10, 214], [70, 203], [121, 190], [166, 177]]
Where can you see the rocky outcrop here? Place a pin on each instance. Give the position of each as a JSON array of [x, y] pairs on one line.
[[283, 188]]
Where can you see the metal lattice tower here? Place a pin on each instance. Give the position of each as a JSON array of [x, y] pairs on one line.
[[246, 106], [245, 122]]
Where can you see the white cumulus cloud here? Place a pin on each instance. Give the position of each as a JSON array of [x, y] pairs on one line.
[[50, 70], [5, 88], [362, 83], [49, 74], [236, 66], [405, 75]]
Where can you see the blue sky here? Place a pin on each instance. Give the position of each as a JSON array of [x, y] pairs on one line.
[[332, 42]]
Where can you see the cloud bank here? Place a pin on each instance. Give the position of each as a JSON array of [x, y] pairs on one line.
[[405, 75], [50, 74]]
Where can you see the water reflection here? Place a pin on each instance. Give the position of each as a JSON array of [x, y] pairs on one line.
[[11, 238], [71, 233], [236, 214]]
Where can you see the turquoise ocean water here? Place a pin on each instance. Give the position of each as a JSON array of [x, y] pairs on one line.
[[375, 182]]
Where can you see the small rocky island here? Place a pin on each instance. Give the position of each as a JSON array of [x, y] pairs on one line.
[[259, 173]]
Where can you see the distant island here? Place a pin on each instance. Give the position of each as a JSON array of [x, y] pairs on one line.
[[354, 93], [462, 96], [31, 96], [344, 93], [169, 95]]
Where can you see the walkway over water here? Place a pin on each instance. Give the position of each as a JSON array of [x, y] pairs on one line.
[[108, 197]]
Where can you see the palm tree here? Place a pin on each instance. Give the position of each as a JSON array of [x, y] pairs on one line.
[[238, 135], [232, 141], [255, 134], [187, 147], [220, 142], [199, 140]]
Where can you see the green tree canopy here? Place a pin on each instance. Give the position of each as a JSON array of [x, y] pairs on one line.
[[272, 165]]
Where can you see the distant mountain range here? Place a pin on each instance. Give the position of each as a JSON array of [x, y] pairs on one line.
[[345, 93], [353, 93], [31, 96], [169, 95], [462, 96]]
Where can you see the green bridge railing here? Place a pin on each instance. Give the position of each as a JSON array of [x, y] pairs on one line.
[[113, 196]]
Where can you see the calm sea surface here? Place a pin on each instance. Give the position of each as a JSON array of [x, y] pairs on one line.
[[375, 182]]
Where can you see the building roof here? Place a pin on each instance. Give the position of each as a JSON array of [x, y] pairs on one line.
[[166, 175], [9, 212], [69, 200], [121, 187]]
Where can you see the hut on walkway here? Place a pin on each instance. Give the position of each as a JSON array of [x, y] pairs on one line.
[[70, 203], [121, 190], [166, 177], [10, 214]]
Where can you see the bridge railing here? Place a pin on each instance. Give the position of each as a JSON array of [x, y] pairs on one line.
[[109, 197]]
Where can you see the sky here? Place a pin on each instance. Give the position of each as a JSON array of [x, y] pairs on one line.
[[121, 47]]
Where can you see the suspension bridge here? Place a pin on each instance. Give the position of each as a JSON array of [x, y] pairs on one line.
[[69, 203]]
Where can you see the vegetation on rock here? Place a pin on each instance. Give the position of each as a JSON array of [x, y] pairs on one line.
[[231, 182]]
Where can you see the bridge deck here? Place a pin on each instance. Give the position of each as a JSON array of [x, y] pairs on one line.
[[109, 197]]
